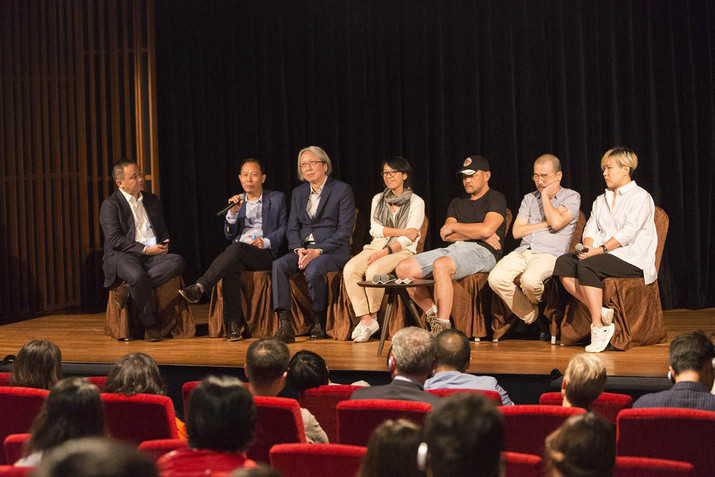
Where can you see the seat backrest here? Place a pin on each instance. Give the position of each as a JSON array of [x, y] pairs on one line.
[[186, 390], [323, 401], [279, 422], [10, 471], [308, 460], [13, 447], [19, 407], [662, 222], [578, 231], [607, 405], [423, 235], [158, 447], [357, 419], [647, 467], [526, 426], [522, 465], [493, 395], [98, 381], [668, 433], [509, 217], [4, 379], [141, 417]]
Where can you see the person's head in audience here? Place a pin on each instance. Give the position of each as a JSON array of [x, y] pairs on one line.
[[584, 381], [412, 354], [464, 435], [221, 415], [267, 366], [73, 409], [584, 446], [95, 457], [453, 351], [38, 365], [307, 370], [691, 358], [392, 450], [258, 471], [135, 373]]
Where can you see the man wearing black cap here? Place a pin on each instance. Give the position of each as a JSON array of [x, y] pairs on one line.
[[475, 228]]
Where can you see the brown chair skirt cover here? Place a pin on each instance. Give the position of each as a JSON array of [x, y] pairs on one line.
[[173, 315]]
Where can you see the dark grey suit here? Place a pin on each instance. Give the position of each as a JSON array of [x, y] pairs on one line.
[[397, 389], [123, 258]]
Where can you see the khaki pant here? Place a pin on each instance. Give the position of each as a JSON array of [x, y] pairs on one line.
[[531, 269], [368, 300]]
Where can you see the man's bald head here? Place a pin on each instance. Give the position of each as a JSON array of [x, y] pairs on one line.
[[453, 350], [549, 159]]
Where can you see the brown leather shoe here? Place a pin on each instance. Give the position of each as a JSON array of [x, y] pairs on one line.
[[152, 334], [121, 295], [235, 332]]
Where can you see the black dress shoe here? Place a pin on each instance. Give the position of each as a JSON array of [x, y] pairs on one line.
[[192, 293], [285, 334], [152, 335], [235, 332], [121, 295], [317, 333]]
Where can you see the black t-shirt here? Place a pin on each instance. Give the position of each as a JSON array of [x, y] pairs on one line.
[[468, 211]]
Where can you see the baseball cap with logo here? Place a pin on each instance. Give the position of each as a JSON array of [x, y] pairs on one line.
[[472, 164]]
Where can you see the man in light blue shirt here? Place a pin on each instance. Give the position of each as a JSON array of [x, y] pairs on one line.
[[453, 358]]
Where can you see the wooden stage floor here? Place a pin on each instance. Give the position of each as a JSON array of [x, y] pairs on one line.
[[81, 339]]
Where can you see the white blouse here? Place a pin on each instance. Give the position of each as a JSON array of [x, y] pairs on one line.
[[415, 217], [631, 222]]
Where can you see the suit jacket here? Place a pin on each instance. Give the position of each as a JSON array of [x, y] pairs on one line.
[[399, 390], [117, 221], [332, 224], [274, 215], [685, 394]]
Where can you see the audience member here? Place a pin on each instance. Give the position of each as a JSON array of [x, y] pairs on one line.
[[584, 446], [411, 361], [138, 373], [396, 217], [267, 368], [475, 228], [545, 223], [584, 381], [307, 370], [454, 353], [221, 420], [691, 370], [321, 221], [462, 436], [38, 365], [95, 457], [73, 409], [392, 450]]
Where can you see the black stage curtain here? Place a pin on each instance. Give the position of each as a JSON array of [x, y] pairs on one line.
[[436, 81]]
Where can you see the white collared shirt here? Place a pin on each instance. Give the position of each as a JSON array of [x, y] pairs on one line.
[[312, 205], [631, 222], [143, 231]]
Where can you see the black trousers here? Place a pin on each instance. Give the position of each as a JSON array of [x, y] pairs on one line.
[[228, 266], [592, 271]]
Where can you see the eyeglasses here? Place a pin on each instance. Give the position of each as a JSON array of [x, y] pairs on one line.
[[390, 173], [543, 177], [307, 164]]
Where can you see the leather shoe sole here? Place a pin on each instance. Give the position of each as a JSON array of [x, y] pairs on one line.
[[235, 332], [192, 293], [152, 335]]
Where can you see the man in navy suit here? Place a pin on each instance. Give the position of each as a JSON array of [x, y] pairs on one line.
[[322, 216], [136, 245], [257, 228]]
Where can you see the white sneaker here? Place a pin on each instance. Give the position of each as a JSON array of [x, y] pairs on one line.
[[363, 336], [606, 316], [600, 337]]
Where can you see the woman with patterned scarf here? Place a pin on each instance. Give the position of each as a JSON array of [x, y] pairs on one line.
[[396, 217]]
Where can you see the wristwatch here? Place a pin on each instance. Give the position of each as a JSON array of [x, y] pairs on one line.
[[603, 247]]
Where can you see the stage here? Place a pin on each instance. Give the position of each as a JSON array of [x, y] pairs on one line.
[[523, 367]]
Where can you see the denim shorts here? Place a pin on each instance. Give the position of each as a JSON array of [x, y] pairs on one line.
[[470, 258]]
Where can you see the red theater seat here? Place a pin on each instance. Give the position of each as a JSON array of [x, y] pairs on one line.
[[522, 465], [4, 379], [323, 401], [357, 419], [308, 460], [158, 447], [10, 471], [647, 467], [98, 381], [13, 447], [139, 418], [607, 405], [493, 395], [279, 422], [668, 433], [526, 426], [19, 407]]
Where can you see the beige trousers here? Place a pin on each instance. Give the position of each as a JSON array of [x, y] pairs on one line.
[[368, 300], [529, 270]]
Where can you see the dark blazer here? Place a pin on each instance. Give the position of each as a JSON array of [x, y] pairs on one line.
[[685, 394], [397, 389], [274, 217], [117, 221], [333, 223]]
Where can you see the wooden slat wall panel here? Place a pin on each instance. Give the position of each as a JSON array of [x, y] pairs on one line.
[[75, 76]]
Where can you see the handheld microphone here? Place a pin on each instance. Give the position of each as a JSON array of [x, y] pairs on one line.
[[580, 248], [231, 205]]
